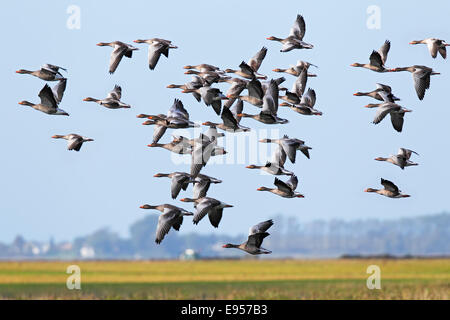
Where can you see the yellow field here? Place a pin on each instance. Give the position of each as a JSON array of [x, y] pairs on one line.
[[228, 279]]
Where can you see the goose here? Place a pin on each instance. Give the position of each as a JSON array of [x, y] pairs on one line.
[[268, 114], [208, 206], [180, 180], [230, 119], [290, 146], [382, 92], [74, 141], [434, 46], [245, 71], [49, 99], [177, 118], [156, 47], [297, 69], [195, 83], [396, 112], [401, 159], [173, 146], [297, 90], [276, 165], [47, 72], [306, 105], [211, 97], [284, 189], [204, 67], [390, 190], [171, 217], [256, 235], [201, 152], [377, 59], [120, 49], [421, 76], [209, 77], [202, 184], [112, 101], [295, 38]]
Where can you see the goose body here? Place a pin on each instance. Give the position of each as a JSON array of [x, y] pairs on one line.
[[256, 235]]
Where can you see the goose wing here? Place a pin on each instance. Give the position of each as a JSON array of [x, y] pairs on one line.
[[292, 182], [201, 187], [256, 60], [309, 98], [47, 97], [421, 81], [260, 227], [299, 28], [384, 50], [397, 120], [116, 56], [166, 220], [215, 215], [375, 59], [256, 239], [75, 142], [279, 156], [177, 110], [116, 93], [236, 109], [406, 153], [203, 208], [228, 118], [58, 90], [255, 89], [383, 110], [390, 186], [282, 186], [154, 52], [178, 181], [299, 85], [158, 132]]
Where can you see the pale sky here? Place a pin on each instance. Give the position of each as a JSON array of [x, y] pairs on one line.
[[50, 191]]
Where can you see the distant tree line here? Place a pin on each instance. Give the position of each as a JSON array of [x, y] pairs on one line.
[[425, 236]]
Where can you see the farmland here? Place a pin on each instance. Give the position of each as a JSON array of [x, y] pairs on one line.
[[227, 279]]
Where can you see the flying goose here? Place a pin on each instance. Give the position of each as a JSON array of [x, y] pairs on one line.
[[208, 206], [284, 189], [295, 38], [395, 111], [47, 72], [390, 190], [421, 76], [256, 235], [120, 49], [180, 180], [74, 141], [306, 105], [434, 46], [401, 159], [290, 146], [382, 92], [171, 217], [49, 99], [112, 101], [156, 47], [377, 59]]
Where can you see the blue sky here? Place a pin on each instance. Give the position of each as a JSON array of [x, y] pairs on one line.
[[49, 191]]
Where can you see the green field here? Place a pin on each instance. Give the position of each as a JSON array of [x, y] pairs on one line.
[[227, 279]]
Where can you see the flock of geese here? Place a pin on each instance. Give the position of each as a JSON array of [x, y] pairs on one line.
[[261, 93], [389, 106]]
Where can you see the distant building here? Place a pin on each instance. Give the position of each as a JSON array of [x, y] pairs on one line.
[[189, 254], [87, 252]]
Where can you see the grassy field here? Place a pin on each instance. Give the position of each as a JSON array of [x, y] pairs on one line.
[[229, 279]]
